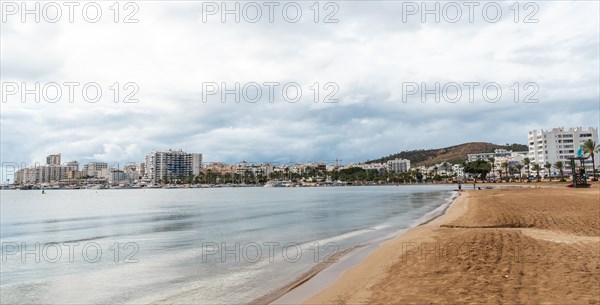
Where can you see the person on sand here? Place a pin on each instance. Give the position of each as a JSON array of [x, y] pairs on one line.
[[459, 187]]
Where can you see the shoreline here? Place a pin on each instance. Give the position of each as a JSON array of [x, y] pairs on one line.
[[520, 216], [273, 296], [466, 186], [324, 274]]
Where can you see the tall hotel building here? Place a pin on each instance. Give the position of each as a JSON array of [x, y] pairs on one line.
[[53, 159], [560, 144], [172, 164]]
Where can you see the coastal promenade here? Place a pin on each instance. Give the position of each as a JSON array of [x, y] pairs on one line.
[[494, 246]]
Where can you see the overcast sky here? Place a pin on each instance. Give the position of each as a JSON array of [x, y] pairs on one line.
[[369, 54]]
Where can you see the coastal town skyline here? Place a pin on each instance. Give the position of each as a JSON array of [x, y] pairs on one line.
[[545, 149]]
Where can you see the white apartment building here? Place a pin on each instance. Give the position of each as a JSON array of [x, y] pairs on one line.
[[458, 170], [255, 169], [114, 176], [52, 171], [41, 174], [512, 159], [443, 169], [135, 170], [560, 144], [398, 165], [94, 169], [497, 154], [73, 165], [53, 159], [172, 164], [373, 166]]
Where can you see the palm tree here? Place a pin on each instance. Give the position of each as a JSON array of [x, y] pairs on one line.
[[512, 170], [446, 167], [560, 166], [464, 167], [589, 147], [548, 166], [451, 170], [493, 161], [505, 166], [527, 162], [537, 168], [519, 167]]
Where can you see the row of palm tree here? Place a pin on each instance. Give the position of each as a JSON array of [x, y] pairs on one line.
[[559, 165], [589, 148], [529, 166]]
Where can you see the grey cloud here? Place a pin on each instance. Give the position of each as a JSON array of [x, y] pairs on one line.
[[369, 53]]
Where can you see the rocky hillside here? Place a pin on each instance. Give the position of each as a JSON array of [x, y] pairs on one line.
[[452, 154]]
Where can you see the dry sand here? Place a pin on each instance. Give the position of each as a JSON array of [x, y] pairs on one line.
[[501, 246]]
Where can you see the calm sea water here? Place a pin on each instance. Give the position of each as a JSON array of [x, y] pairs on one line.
[[212, 246]]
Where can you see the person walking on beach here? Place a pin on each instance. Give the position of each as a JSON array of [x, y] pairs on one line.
[[459, 187]]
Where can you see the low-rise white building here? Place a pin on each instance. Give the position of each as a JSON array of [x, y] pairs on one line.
[[135, 171], [398, 165], [256, 168], [497, 154], [374, 166], [115, 176], [458, 170], [93, 169]]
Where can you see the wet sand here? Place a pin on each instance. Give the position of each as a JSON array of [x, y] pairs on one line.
[[497, 246]]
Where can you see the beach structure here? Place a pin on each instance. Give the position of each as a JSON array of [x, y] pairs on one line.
[[579, 175]]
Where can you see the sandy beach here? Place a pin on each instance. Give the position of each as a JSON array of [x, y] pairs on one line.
[[497, 246]]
